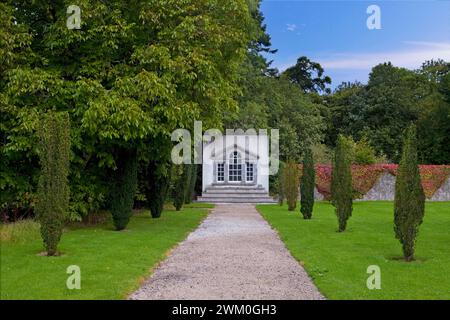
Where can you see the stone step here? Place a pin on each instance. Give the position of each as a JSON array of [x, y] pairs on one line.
[[237, 200], [235, 195], [231, 191], [236, 186]]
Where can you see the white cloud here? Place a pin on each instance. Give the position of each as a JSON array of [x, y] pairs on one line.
[[412, 57], [291, 27]]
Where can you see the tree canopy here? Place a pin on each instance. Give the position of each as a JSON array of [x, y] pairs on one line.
[[133, 73]]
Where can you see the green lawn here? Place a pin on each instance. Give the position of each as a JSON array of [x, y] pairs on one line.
[[112, 263], [338, 262]]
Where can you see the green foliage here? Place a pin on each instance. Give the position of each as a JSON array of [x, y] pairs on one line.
[[307, 185], [270, 101], [190, 192], [182, 177], [279, 184], [433, 126], [156, 186], [187, 172], [364, 153], [393, 98], [322, 154], [409, 196], [339, 113], [341, 182], [294, 114], [53, 189], [308, 75], [291, 183], [360, 152], [123, 187], [133, 73]]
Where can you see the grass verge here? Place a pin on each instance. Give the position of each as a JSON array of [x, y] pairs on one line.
[[112, 264], [338, 262]]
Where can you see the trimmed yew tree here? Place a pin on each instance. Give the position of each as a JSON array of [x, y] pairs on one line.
[[280, 182], [123, 187], [190, 193], [181, 185], [157, 185], [307, 184], [290, 184], [53, 189], [341, 182], [409, 205]]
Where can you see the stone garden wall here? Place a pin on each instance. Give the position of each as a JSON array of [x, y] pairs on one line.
[[384, 189], [377, 182]]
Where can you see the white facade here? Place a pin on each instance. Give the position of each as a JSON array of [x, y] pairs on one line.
[[236, 160]]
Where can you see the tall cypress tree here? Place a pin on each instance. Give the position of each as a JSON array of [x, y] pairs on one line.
[[53, 188], [341, 183], [307, 184], [290, 184], [190, 192], [157, 184], [409, 196], [280, 184], [124, 187], [181, 185]]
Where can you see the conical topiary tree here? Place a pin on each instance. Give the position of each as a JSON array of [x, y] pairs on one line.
[[290, 184], [53, 188], [157, 186], [190, 192], [123, 187], [307, 184], [341, 182], [279, 184], [181, 185], [409, 205]]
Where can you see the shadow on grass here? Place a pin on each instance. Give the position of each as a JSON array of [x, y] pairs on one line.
[[398, 258]]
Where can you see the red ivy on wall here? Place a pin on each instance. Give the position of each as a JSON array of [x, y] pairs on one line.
[[365, 176]]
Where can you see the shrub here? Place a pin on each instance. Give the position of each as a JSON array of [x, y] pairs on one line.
[[364, 153], [409, 205], [290, 184], [124, 187], [341, 183], [181, 184], [191, 189], [279, 184], [156, 187], [307, 184], [322, 154], [53, 187]]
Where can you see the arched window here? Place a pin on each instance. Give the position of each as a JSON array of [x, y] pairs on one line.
[[235, 167]]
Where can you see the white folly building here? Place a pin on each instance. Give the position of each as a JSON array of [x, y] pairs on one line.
[[236, 169]]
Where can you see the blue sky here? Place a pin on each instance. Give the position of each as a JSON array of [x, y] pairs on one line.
[[335, 34]]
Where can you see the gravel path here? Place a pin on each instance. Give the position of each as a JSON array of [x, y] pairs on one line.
[[234, 254]]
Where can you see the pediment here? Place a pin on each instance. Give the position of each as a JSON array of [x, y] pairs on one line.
[[224, 153]]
